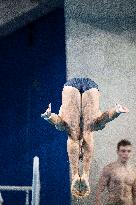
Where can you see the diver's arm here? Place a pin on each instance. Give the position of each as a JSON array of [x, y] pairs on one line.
[[108, 116], [54, 119]]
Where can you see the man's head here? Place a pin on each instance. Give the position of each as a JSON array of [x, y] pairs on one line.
[[124, 150]]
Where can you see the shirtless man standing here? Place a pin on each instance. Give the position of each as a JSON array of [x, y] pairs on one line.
[[80, 116], [119, 178]]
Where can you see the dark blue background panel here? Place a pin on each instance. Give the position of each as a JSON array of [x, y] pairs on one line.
[[32, 74]]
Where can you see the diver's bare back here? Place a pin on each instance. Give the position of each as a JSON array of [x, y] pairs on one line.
[[120, 184]]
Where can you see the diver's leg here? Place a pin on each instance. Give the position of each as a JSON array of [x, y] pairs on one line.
[[73, 153], [88, 146], [90, 109], [70, 113]]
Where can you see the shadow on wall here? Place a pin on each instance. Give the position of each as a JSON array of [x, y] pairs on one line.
[[115, 25], [110, 16]]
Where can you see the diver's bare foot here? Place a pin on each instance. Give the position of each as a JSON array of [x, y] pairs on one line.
[[75, 186]]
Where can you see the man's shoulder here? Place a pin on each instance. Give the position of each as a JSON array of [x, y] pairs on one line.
[[109, 167]]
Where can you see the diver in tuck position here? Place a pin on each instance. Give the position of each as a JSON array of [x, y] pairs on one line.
[[80, 116]]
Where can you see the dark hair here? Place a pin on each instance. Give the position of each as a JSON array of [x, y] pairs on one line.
[[123, 142]]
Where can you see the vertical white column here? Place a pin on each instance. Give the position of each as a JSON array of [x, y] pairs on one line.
[[36, 182], [1, 199]]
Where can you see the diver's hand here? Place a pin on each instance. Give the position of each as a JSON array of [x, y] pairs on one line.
[[47, 114], [121, 109]]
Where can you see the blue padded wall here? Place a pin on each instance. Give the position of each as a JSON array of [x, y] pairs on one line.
[[32, 74]]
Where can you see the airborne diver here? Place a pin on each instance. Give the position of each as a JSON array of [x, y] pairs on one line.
[[80, 116]]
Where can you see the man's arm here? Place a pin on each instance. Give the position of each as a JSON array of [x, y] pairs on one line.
[[134, 192], [54, 119], [103, 182], [108, 116]]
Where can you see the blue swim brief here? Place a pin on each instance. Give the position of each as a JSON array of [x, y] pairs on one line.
[[82, 84]]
